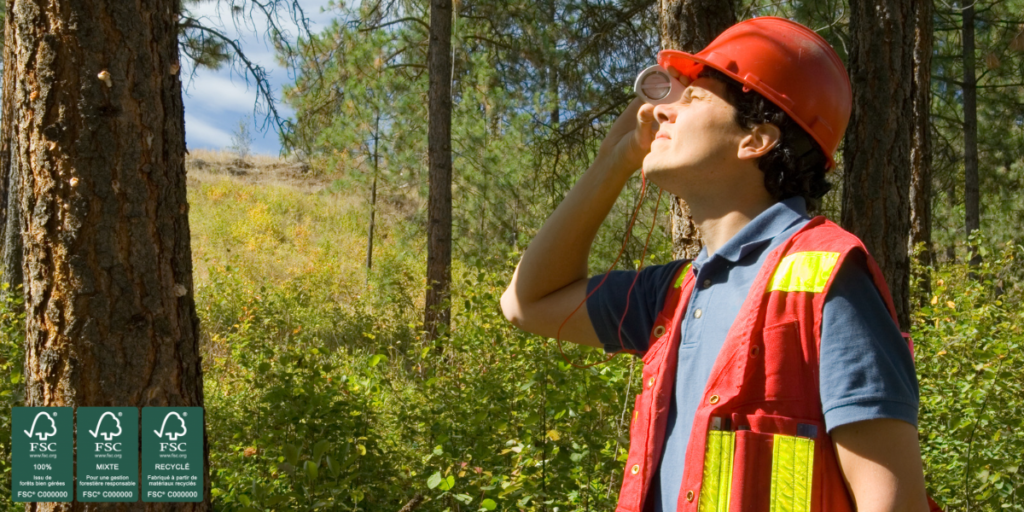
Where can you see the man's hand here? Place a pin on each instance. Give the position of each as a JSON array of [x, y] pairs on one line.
[[881, 462], [629, 139]]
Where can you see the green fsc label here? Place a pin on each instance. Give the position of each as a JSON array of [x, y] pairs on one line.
[[108, 454], [41, 454], [172, 454]]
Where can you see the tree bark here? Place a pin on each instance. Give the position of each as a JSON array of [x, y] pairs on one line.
[[920, 150], [972, 208], [439, 204], [10, 189], [94, 128], [689, 25], [876, 157]]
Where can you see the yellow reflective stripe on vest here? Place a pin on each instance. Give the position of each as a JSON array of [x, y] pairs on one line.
[[792, 474], [804, 272], [717, 485], [682, 275]]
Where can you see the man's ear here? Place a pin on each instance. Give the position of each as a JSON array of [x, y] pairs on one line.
[[759, 141]]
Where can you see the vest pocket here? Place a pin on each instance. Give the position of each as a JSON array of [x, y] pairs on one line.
[[753, 464], [784, 367], [792, 474], [716, 484], [773, 468]]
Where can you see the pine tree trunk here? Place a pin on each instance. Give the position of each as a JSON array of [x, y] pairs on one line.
[[373, 194], [10, 185], [96, 133], [876, 157], [552, 78], [920, 150], [439, 204], [689, 25], [972, 202]]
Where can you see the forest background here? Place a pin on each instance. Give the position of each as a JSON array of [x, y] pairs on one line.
[[322, 391]]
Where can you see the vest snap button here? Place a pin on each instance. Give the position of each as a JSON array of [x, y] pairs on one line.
[[755, 351], [714, 399], [659, 331], [689, 495], [696, 314], [650, 383], [636, 469]]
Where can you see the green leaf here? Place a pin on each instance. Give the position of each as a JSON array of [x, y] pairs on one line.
[[319, 448], [488, 504], [291, 454], [434, 480], [448, 483], [375, 360], [465, 498], [311, 470], [263, 367], [332, 466]]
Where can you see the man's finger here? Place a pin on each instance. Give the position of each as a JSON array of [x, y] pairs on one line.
[[646, 123], [646, 114]]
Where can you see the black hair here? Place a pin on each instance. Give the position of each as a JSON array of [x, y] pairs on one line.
[[796, 166]]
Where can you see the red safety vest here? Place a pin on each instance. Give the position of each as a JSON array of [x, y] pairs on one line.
[[758, 442]]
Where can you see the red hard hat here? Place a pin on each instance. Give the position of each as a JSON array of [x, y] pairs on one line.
[[787, 63]]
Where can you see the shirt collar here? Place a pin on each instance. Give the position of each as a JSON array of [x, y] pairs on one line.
[[767, 225]]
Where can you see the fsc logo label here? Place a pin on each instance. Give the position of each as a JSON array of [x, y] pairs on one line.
[[172, 454], [108, 454], [41, 454]]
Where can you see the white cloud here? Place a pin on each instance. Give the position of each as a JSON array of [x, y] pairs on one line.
[[200, 134], [219, 92]]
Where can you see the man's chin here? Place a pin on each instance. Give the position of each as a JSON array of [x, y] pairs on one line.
[[665, 178]]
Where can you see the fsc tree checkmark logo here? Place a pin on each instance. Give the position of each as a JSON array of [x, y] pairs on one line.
[[173, 435], [41, 434], [107, 434]]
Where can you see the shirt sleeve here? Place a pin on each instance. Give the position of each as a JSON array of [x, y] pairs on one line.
[[867, 371], [612, 304]]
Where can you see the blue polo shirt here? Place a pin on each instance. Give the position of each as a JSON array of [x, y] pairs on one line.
[[866, 367]]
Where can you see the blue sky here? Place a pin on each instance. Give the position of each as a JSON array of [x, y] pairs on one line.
[[215, 101]]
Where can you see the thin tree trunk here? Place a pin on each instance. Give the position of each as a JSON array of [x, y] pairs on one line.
[[10, 187], [689, 25], [972, 201], [12, 247], [437, 313], [876, 158], [96, 132], [515, 223], [553, 96], [951, 198], [373, 194], [920, 150]]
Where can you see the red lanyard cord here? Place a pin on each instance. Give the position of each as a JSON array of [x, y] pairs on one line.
[[643, 254]]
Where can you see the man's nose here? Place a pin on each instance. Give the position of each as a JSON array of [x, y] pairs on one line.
[[664, 113]]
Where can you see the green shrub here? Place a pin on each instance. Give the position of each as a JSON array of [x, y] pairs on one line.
[[12, 387], [970, 367]]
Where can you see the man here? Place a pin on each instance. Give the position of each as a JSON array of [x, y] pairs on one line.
[[775, 375]]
